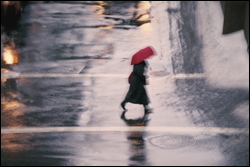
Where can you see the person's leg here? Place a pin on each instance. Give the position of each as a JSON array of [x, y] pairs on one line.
[[145, 106], [147, 109], [123, 104]]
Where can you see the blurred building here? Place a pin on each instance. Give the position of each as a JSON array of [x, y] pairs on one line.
[[11, 11], [236, 17]]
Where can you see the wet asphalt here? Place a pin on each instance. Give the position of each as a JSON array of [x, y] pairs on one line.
[[61, 93]]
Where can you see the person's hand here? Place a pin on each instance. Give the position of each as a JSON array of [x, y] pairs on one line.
[[146, 80]]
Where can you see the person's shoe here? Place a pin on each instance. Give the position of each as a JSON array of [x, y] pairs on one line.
[[148, 111], [123, 105]]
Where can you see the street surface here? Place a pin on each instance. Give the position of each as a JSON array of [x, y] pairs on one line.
[[64, 73]]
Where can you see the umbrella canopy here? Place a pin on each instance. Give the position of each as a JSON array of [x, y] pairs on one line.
[[142, 54]]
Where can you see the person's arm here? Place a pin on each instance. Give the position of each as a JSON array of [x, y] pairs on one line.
[[139, 71]]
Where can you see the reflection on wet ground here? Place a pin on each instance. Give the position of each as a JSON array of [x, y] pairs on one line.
[[66, 36], [25, 49], [136, 139], [16, 148], [11, 106], [9, 54], [23, 103]]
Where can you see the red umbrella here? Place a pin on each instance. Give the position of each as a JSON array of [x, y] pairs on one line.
[[143, 54]]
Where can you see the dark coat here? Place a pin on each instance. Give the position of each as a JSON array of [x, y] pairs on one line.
[[137, 93]]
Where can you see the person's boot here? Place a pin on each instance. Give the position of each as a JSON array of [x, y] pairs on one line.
[[123, 105]]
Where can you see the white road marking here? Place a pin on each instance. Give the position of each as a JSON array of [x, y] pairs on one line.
[[12, 75], [55, 75], [186, 76], [127, 129]]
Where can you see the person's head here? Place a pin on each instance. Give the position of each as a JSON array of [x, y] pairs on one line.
[[144, 63]]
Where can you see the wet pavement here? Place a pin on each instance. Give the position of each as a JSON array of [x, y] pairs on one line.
[[64, 72]]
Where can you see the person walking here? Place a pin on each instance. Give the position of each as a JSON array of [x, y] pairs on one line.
[[137, 93]]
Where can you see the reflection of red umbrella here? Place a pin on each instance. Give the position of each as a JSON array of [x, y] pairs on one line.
[[143, 54]]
